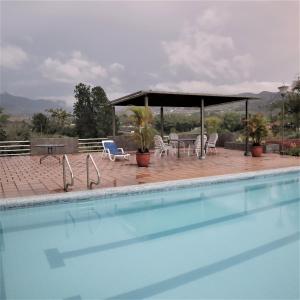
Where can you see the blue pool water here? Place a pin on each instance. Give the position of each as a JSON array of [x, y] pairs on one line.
[[236, 240]]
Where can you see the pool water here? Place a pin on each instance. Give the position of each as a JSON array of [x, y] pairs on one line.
[[235, 240]]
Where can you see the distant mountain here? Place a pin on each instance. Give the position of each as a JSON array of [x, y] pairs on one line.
[[21, 106], [262, 104]]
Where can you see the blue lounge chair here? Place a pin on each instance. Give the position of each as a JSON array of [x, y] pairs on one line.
[[111, 150]]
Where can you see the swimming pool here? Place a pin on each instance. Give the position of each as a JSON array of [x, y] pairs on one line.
[[212, 239]]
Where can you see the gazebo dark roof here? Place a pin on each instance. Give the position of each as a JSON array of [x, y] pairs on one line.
[[175, 99]]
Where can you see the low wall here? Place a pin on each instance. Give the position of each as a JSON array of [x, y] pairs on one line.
[[125, 141], [70, 145], [236, 146], [268, 148]]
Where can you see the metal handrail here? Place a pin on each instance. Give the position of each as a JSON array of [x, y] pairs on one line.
[[65, 163], [90, 182]]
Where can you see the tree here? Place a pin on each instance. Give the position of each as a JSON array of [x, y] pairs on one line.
[[59, 120], [212, 124], [92, 112], [83, 111], [176, 122], [19, 130], [292, 108], [232, 122], [3, 120], [103, 112], [40, 123]]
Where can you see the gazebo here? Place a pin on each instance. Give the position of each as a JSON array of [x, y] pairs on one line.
[[179, 99]]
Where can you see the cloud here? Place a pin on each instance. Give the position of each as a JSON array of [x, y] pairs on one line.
[[76, 68], [195, 86], [202, 49], [12, 57], [116, 67]]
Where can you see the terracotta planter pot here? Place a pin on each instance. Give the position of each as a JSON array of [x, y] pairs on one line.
[[143, 159], [257, 151]]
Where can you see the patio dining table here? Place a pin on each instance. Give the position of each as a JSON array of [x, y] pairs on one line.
[[50, 150], [182, 141]]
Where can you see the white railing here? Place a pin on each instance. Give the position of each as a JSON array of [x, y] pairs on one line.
[[11, 148], [90, 145]]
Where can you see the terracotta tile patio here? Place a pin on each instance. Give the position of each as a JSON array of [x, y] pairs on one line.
[[24, 175]]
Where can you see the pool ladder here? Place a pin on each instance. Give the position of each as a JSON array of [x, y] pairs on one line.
[[66, 165], [90, 182]]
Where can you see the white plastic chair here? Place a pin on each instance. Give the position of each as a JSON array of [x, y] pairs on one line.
[[111, 150], [198, 144], [211, 143], [174, 143], [160, 147]]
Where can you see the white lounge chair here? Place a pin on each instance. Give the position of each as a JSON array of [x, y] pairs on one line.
[[111, 150], [211, 143], [161, 147]]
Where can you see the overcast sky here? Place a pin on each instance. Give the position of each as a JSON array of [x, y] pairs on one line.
[[216, 47]]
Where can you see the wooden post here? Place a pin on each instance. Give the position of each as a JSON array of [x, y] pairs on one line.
[[202, 155], [114, 121], [246, 129], [162, 122]]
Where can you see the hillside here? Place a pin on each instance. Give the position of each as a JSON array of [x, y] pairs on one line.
[[21, 106]]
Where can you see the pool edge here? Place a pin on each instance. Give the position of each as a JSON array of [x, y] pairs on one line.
[[25, 201]]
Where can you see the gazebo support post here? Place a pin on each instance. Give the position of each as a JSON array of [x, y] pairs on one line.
[[162, 122], [146, 101], [202, 154], [114, 121], [246, 129]]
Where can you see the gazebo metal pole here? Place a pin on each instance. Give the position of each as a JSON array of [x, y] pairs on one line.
[[162, 122], [282, 127], [202, 156], [114, 121], [146, 101], [246, 153]]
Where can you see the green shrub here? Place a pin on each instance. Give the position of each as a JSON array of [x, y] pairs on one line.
[[293, 151]]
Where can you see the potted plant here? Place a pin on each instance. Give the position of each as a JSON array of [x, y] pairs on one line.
[[142, 118], [257, 129]]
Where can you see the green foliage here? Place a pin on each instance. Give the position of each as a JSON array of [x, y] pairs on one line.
[[40, 123], [58, 120], [92, 112], [175, 122], [293, 151], [103, 112], [257, 128], [83, 111], [3, 120], [212, 124], [142, 119], [292, 108], [232, 122], [18, 130]]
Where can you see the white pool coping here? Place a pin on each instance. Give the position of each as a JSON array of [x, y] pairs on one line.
[[8, 203]]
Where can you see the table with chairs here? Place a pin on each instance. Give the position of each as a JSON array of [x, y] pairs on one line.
[[189, 145]]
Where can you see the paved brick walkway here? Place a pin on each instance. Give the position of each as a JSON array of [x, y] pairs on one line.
[[24, 175]]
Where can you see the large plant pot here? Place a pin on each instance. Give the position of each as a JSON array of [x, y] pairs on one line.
[[143, 159], [256, 151]]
